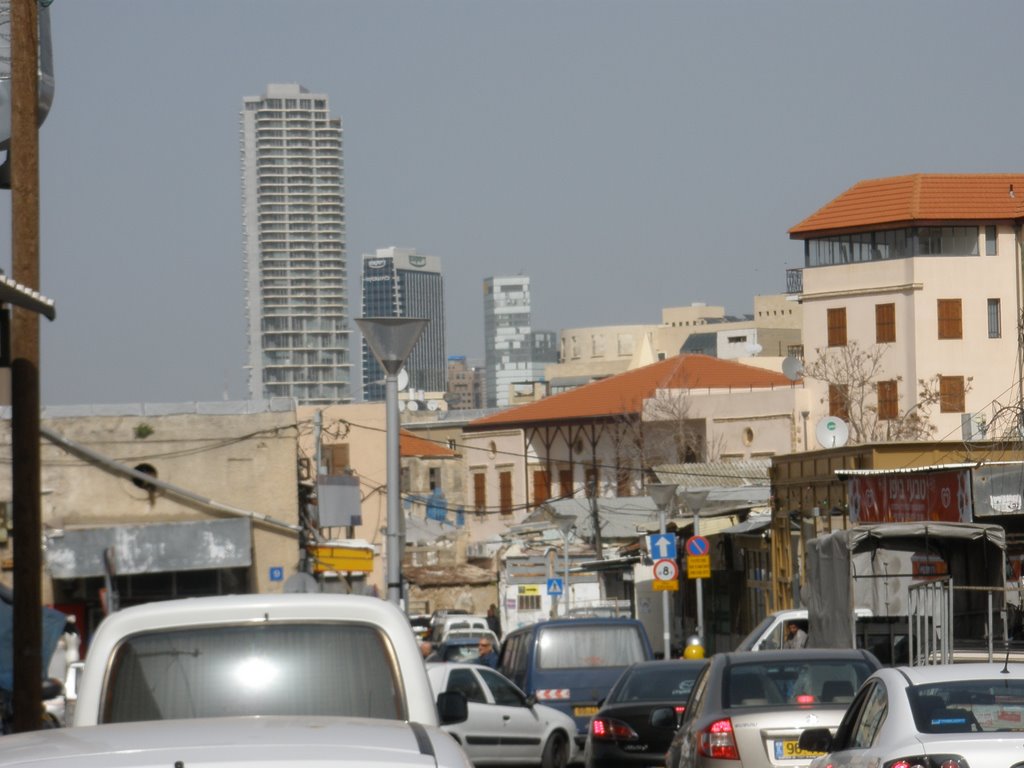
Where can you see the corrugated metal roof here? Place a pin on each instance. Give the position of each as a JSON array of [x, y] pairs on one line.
[[919, 198]]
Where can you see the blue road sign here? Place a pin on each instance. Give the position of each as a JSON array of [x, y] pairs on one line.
[[662, 546], [696, 545], [555, 587]]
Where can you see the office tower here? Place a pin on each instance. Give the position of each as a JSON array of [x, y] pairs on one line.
[[398, 282], [293, 216], [508, 340]]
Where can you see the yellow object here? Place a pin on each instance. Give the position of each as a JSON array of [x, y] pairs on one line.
[[693, 652]]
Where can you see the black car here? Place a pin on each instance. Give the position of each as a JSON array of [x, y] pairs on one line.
[[623, 732]]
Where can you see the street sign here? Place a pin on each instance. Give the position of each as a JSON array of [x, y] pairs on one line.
[[666, 570], [697, 545], [698, 566], [555, 587], [662, 546]]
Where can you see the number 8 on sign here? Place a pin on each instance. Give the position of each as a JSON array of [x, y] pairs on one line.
[[666, 570]]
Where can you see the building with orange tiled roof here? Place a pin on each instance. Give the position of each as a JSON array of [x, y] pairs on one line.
[[606, 436], [921, 272]]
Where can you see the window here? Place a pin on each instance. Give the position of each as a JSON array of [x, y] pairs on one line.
[[505, 491], [837, 327], [480, 492], [990, 240], [951, 394], [888, 400], [950, 319], [995, 326], [885, 323], [839, 401], [541, 486]]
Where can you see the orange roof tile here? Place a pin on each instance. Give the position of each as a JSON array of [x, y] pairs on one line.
[[413, 445], [919, 197], [625, 393]]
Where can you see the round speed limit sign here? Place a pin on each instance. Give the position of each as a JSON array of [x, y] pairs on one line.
[[666, 570]]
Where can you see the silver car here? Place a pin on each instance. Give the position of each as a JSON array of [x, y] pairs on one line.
[[749, 708], [940, 716]]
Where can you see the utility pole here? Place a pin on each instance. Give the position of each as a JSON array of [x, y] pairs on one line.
[[26, 486]]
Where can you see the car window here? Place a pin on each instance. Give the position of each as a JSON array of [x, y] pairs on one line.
[[254, 669], [464, 681], [501, 689], [589, 645], [872, 715]]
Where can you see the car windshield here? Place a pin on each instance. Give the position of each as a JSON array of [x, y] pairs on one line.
[[965, 706], [589, 645], [797, 681], [667, 682], [256, 669]]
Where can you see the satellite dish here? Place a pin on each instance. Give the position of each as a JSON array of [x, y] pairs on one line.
[[792, 368], [832, 432], [403, 380]]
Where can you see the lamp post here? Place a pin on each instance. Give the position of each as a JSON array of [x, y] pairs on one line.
[[694, 501], [663, 495], [391, 339]]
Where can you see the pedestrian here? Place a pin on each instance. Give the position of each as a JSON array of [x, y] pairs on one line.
[[488, 657], [493, 622], [795, 637]]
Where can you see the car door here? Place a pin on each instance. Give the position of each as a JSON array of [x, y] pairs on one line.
[[482, 731], [522, 729]]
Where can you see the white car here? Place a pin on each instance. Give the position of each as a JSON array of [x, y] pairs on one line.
[[938, 716], [504, 726], [242, 742]]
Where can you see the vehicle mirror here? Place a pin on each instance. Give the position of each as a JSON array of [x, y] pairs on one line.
[[452, 707], [816, 740], [664, 717]]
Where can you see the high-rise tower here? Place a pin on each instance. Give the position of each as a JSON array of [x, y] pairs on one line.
[[293, 218], [398, 282]]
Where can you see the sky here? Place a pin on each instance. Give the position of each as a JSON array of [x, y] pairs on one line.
[[627, 155]]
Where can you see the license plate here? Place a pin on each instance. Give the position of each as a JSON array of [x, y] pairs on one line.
[[584, 711], [789, 749]]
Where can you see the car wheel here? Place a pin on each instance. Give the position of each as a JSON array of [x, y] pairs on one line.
[[556, 751]]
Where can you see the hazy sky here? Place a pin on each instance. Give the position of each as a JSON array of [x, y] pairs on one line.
[[625, 155]]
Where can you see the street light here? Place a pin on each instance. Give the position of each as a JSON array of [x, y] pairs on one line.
[[391, 339], [694, 501], [664, 495]]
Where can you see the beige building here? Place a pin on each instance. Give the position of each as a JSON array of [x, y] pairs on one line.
[[158, 501], [921, 273]]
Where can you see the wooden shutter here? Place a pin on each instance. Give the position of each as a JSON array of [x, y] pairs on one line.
[[950, 319], [837, 327], [885, 323], [888, 400]]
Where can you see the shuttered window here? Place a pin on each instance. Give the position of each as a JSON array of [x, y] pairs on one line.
[[885, 323], [505, 491], [950, 319], [951, 394], [838, 401], [888, 400], [837, 327]]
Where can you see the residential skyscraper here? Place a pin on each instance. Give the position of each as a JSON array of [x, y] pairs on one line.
[[398, 282], [513, 352], [293, 219]]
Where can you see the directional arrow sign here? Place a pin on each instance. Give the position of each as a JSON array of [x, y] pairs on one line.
[[662, 546]]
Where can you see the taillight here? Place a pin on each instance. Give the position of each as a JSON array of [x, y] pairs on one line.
[[717, 741], [608, 729], [928, 761]]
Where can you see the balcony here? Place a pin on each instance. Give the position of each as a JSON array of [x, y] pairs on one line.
[[795, 280]]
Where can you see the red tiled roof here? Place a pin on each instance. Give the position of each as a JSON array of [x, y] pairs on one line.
[[625, 393], [413, 445], [919, 197]]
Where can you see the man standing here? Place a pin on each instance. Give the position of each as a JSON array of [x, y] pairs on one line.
[[795, 637], [488, 657]]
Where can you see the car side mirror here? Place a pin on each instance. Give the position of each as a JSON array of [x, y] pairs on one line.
[[452, 707], [816, 740], [664, 717]]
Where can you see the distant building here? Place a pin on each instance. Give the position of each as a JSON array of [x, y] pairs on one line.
[[466, 385], [293, 220], [513, 352], [398, 282]]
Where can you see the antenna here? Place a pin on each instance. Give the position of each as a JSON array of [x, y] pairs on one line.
[[792, 368], [831, 432]]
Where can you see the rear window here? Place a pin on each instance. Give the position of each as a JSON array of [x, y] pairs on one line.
[[804, 681], [968, 706], [592, 645], [258, 669]]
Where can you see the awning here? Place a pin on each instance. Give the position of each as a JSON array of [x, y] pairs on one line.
[[77, 553]]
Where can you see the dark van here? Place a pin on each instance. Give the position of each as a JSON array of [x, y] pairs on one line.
[[571, 664]]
